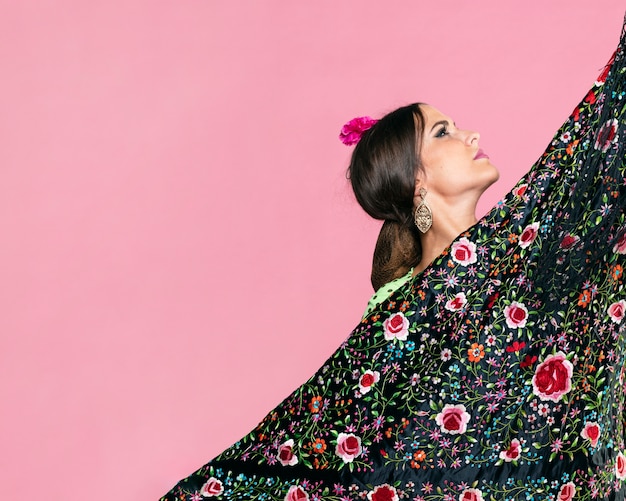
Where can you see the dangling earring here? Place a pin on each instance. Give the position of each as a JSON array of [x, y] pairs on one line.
[[423, 214]]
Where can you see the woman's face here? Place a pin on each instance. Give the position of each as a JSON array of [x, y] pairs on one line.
[[453, 163]]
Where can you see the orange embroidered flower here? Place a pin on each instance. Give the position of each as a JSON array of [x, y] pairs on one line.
[[420, 455], [476, 352], [570, 147], [404, 306], [315, 405], [319, 446], [318, 465], [617, 272], [584, 298]]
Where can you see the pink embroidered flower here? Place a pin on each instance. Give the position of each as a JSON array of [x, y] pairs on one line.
[[212, 487], [620, 466], [457, 302], [453, 419], [471, 495], [528, 235], [464, 252], [569, 241], [384, 492], [296, 493], [516, 315], [348, 447], [607, 135], [520, 190], [367, 380], [354, 129], [285, 454], [396, 327], [567, 492], [620, 246], [591, 432], [553, 377], [513, 452], [616, 311]]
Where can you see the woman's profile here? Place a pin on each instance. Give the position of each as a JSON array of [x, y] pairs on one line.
[[490, 363]]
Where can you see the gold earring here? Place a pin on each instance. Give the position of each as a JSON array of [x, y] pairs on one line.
[[423, 214]]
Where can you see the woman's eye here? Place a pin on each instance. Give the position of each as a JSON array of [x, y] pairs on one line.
[[442, 132]]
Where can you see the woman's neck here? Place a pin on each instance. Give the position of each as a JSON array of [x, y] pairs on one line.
[[447, 225]]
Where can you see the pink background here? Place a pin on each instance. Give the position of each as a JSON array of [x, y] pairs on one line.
[[180, 248]]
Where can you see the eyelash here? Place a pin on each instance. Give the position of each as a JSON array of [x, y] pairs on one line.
[[442, 132]]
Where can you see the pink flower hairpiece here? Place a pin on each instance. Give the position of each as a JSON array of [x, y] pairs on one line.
[[352, 131]]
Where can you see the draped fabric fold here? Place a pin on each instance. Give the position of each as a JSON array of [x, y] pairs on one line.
[[495, 374]]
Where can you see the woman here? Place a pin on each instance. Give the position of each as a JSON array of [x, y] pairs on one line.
[[413, 152], [491, 367]]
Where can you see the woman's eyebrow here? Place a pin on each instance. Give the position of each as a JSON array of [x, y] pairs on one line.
[[440, 122]]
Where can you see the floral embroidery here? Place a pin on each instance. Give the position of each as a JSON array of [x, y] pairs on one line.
[[464, 252], [285, 455], [212, 487], [496, 374]]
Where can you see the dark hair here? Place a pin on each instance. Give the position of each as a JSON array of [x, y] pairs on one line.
[[382, 172]]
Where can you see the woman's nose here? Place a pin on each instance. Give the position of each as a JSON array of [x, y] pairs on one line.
[[471, 137]]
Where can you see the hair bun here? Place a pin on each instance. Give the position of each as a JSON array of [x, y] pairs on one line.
[[398, 249]]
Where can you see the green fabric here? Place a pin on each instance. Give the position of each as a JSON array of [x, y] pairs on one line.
[[385, 291]]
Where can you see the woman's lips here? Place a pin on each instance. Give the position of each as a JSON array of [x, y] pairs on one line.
[[480, 154]]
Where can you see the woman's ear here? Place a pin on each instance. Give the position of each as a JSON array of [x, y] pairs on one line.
[[418, 194]]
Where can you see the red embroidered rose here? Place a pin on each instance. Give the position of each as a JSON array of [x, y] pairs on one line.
[[296, 493], [212, 487], [471, 495], [396, 327], [516, 315], [567, 492], [367, 380], [285, 454], [620, 466], [457, 302], [520, 190], [607, 135], [348, 447], [569, 241], [384, 492], [464, 252], [616, 311], [453, 419], [620, 246], [553, 377], [513, 452], [591, 432], [528, 235]]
